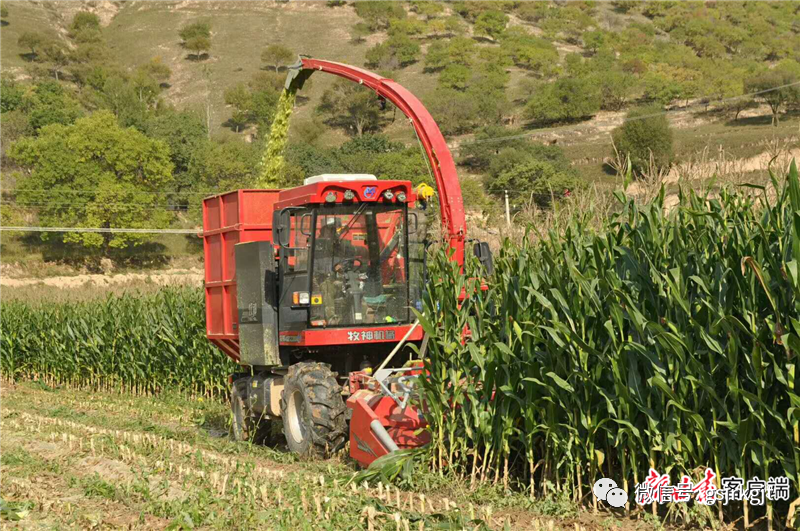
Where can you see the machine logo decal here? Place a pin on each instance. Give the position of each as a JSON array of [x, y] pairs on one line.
[[252, 312], [287, 338], [371, 335], [363, 446], [370, 192]]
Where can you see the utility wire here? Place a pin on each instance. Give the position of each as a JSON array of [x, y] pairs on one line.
[[103, 230], [79, 202], [143, 206], [86, 191], [635, 118]]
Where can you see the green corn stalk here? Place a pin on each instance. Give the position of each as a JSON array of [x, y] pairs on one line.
[[142, 344], [664, 339]]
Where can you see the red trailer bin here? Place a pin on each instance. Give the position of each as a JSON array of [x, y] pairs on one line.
[[230, 218]]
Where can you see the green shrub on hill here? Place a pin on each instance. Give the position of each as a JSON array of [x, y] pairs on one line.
[[645, 133], [564, 100]]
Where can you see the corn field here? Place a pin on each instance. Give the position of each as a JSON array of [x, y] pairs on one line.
[[665, 340], [138, 343]]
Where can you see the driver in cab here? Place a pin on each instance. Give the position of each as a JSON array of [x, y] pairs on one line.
[[334, 252]]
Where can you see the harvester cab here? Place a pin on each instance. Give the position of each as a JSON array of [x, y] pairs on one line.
[[312, 291], [346, 241]]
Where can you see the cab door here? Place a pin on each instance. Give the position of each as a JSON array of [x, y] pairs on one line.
[[295, 240]]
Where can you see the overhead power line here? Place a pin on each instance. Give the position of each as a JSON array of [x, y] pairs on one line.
[[102, 230], [143, 206], [137, 192]]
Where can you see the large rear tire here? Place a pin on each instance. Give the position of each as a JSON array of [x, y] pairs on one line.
[[312, 410]]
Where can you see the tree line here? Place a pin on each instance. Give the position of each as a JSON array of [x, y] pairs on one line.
[[84, 123]]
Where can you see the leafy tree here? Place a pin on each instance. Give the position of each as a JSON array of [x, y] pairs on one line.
[[397, 51], [11, 94], [408, 164], [145, 86], [660, 87], [183, 131], [225, 165], [157, 70], [527, 51], [594, 40], [313, 160], [15, 126], [122, 167], [533, 11], [427, 9], [616, 88], [473, 194], [564, 100], [85, 58], [200, 28], [241, 100], [50, 103], [624, 6], [264, 104], [455, 76], [196, 37], [148, 79], [495, 56], [479, 153], [766, 83], [437, 56], [268, 81], [456, 112], [377, 14], [359, 32], [57, 55], [351, 106], [85, 27], [369, 144], [645, 131], [120, 96], [308, 132], [444, 27], [491, 23], [31, 40], [459, 50], [199, 46], [535, 179], [277, 55], [84, 20], [471, 10], [407, 26], [383, 158], [523, 168]]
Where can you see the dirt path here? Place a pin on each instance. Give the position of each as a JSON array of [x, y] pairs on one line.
[[173, 276]]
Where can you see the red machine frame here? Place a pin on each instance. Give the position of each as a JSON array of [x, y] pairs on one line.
[[380, 422]]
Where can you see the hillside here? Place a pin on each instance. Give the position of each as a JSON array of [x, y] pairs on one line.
[[138, 31], [561, 74]]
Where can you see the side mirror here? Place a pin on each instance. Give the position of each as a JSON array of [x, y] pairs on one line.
[[484, 255], [281, 220]]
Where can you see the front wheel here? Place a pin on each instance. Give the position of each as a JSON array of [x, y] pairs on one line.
[[312, 409], [245, 426]]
